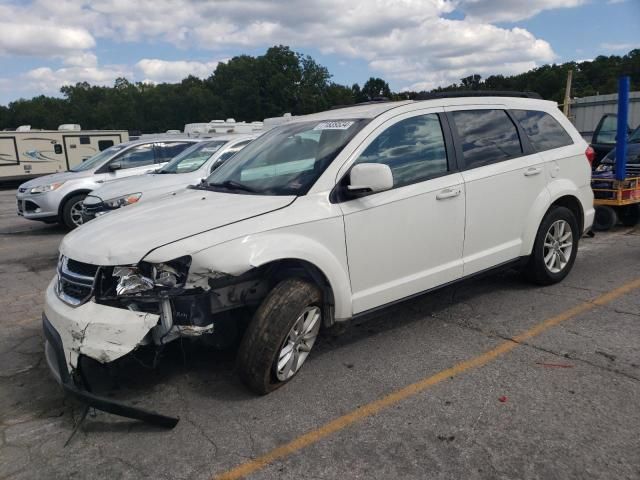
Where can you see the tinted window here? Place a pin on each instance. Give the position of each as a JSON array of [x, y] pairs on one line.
[[85, 140], [607, 130], [104, 144], [168, 150], [137, 156], [487, 136], [413, 148], [543, 130]]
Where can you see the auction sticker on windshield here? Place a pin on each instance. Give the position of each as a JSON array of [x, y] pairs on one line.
[[334, 125]]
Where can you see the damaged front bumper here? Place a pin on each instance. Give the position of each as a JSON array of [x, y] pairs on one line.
[[102, 333]]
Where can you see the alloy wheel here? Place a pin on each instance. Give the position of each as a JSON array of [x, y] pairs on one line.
[[297, 345], [558, 244], [76, 213]]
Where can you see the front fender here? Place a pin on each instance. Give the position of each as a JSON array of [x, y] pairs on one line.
[[319, 243]]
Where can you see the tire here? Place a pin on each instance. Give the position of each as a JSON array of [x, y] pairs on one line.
[[605, 219], [629, 215], [272, 329], [69, 212], [538, 269]]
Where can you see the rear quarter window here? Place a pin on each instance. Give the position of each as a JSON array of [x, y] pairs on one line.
[[544, 131]]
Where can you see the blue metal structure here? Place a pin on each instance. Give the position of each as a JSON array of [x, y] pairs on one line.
[[621, 137]]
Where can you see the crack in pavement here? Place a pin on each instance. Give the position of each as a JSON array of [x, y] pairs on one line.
[[496, 335]]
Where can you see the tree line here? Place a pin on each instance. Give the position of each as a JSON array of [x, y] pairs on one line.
[[253, 88]]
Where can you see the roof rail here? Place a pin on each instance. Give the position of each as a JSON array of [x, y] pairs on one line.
[[373, 101], [478, 93]]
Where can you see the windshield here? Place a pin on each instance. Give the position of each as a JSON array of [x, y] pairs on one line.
[[193, 157], [635, 136], [97, 159], [285, 161]]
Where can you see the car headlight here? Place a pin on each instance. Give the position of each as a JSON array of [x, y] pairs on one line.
[[46, 188], [123, 200], [146, 276]]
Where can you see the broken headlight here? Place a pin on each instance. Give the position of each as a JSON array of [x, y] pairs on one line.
[[147, 276], [123, 200]]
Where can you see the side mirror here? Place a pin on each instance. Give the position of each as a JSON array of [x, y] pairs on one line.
[[369, 178], [113, 166]]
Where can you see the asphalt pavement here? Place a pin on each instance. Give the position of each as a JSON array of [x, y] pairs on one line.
[[492, 378]]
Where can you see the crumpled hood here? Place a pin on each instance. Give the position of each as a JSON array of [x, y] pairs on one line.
[[55, 177], [125, 236], [150, 185]]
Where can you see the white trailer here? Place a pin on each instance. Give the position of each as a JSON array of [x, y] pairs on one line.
[[27, 153]]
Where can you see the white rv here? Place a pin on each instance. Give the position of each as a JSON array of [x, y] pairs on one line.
[[27, 153]]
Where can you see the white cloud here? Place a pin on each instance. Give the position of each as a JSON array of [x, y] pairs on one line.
[[48, 80], [42, 40], [619, 46], [510, 10], [155, 70], [409, 42]]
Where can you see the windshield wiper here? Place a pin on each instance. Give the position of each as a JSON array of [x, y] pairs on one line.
[[233, 185]]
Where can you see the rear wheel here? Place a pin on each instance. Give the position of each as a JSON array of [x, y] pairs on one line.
[[629, 215], [605, 218], [555, 247], [280, 336], [72, 211]]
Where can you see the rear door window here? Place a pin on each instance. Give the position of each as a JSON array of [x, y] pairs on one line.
[[486, 136], [543, 130], [165, 151]]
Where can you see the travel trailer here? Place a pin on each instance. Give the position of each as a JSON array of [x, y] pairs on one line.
[[221, 127], [27, 153]]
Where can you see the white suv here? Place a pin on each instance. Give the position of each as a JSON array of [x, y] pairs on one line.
[[322, 219]]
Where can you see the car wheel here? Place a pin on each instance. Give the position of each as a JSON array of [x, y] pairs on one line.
[[280, 336], [72, 211], [555, 247], [605, 218], [629, 215]]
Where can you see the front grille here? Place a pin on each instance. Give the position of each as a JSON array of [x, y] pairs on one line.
[[80, 268], [76, 281]]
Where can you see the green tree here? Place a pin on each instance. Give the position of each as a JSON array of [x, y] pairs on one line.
[[376, 88]]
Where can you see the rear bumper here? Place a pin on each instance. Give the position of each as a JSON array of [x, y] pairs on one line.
[[54, 353]]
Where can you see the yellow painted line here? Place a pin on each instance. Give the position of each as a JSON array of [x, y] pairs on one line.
[[376, 406]]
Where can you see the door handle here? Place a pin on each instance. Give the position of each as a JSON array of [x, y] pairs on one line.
[[529, 172], [448, 193]]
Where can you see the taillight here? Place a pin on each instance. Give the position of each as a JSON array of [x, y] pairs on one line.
[[590, 153]]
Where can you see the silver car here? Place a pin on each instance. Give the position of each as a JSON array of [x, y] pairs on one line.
[[188, 168], [58, 197]]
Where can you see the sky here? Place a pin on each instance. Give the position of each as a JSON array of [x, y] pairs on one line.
[[412, 44]]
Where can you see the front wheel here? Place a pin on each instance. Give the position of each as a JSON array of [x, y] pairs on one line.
[[280, 336], [555, 247], [72, 211]]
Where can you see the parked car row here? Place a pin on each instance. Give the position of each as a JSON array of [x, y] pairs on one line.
[[321, 219]]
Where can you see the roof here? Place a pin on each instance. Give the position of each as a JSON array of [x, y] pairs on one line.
[[160, 138], [375, 109], [365, 110]]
